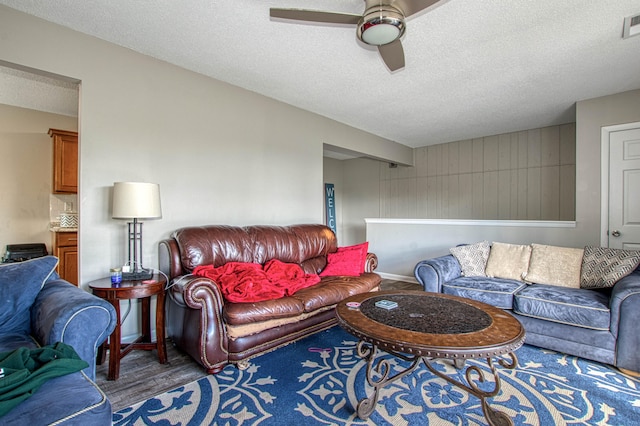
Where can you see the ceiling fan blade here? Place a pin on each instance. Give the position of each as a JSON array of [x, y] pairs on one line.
[[392, 55], [409, 7], [315, 16]]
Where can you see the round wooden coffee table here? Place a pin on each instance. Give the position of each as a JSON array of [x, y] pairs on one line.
[[425, 326]]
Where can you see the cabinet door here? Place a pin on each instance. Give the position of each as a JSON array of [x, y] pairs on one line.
[[65, 161], [68, 266], [65, 248]]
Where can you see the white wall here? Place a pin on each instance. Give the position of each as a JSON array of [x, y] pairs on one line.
[[26, 184], [357, 187], [221, 154], [361, 196]]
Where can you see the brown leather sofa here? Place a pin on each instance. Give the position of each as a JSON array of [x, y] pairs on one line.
[[216, 332]]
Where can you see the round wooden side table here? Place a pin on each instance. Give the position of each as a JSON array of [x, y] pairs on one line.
[[127, 290]]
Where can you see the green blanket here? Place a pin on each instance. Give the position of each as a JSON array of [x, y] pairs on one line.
[[25, 370]]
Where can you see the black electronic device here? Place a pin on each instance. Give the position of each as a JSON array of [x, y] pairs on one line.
[[144, 274], [22, 252]]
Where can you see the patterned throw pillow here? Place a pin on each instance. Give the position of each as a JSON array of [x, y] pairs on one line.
[[472, 258], [603, 267], [555, 266]]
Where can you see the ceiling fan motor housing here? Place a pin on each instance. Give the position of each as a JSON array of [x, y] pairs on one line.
[[381, 25]]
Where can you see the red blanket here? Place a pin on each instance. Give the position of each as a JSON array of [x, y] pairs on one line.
[[250, 282]]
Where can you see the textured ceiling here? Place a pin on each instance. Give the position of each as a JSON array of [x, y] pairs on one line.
[[473, 68], [39, 92]]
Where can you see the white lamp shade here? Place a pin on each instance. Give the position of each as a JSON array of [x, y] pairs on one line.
[[136, 200]]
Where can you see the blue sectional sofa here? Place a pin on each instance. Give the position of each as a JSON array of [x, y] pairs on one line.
[[40, 309], [597, 324]]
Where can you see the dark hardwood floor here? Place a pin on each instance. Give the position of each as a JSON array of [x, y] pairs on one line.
[[142, 377]]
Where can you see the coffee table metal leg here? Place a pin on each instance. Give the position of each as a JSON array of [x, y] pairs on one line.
[[475, 375], [378, 376]]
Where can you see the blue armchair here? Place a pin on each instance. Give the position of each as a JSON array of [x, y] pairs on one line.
[[39, 309]]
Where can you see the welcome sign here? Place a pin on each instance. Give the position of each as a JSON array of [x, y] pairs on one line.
[[330, 206]]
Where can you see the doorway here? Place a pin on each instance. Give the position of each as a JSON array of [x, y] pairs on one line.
[[32, 102], [621, 187]]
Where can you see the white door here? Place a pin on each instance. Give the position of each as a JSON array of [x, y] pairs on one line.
[[624, 189]]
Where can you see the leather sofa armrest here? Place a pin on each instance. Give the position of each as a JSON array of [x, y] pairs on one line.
[[203, 295], [65, 313], [196, 292], [625, 317], [432, 273], [371, 262]]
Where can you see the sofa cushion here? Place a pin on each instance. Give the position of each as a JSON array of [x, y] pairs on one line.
[[573, 306], [509, 261], [494, 291], [603, 267], [244, 313], [72, 399], [347, 261], [12, 341], [332, 290], [555, 266], [20, 284], [328, 292], [472, 258]]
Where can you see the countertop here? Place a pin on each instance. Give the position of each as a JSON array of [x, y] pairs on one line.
[[56, 228]]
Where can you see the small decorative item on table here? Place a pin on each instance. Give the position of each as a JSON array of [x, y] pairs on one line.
[[386, 304], [116, 276]]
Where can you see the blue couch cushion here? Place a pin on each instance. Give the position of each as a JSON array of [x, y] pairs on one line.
[[70, 400], [494, 291], [573, 306], [12, 341], [19, 285]]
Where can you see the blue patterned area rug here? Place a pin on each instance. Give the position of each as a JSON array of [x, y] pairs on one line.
[[320, 379]]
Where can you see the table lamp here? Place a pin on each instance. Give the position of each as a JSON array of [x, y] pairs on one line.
[[136, 200]]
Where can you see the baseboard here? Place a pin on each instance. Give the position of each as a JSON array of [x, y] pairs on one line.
[[396, 277], [130, 338]]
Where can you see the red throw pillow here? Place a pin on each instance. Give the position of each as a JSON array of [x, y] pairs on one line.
[[347, 261]]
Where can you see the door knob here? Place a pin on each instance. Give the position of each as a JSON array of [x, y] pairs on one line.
[[616, 233]]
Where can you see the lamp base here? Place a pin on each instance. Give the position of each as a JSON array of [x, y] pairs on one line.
[[144, 274]]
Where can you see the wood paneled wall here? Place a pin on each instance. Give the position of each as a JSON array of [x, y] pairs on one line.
[[526, 175]]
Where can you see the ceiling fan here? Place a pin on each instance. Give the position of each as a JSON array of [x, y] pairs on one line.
[[381, 24]]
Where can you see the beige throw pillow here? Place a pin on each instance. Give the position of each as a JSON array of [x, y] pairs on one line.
[[508, 261], [555, 266]]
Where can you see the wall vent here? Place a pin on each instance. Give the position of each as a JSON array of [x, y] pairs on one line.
[[631, 26]]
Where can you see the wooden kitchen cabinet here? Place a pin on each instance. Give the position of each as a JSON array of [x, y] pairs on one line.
[[65, 161], [65, 248]]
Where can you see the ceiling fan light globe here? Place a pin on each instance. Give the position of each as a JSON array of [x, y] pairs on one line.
[[380, 34], [381, 25]]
